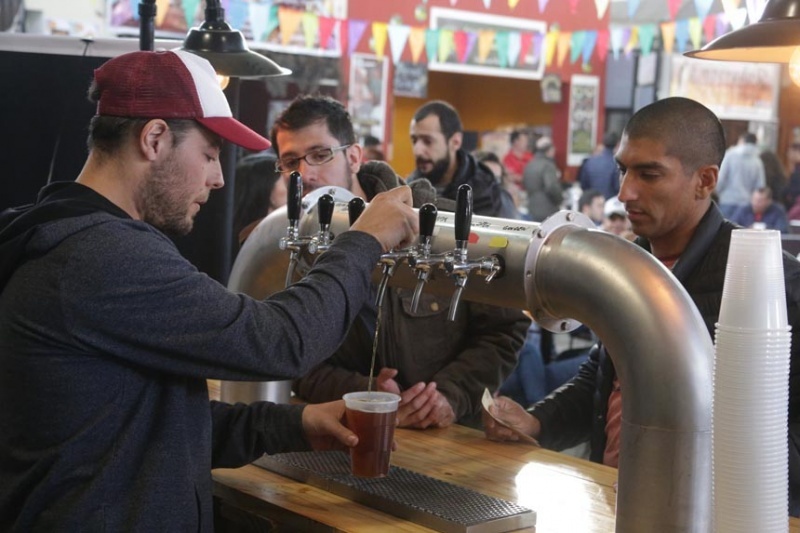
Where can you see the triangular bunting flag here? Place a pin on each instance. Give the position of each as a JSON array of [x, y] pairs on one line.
[[472, 38], [542, 5], [673, 6], [633, 40], [272, 21], [525, 44], [754, 9], [431, 44], [501, 38], [739, 18], [550, 46], [722, 24], [564, 40], [618, 40], [379, 32], [668, 36], [487, 4], [289, 20], [416, 41], [237, 13], [485, 43], [576, 45], [134, 8], [730, 6], [537, 47], [460, 42], [603, 38], [647, 34], [259, 19], [446, 45], [588, 45], [601, 6], [310, 28], [162, 6], [709, 27], [695, 32], [633, 7], [513, 3], [514, 46], [355, 30], [681, 34], [398, 37], [326, 26], [189, 11], [702, 7]]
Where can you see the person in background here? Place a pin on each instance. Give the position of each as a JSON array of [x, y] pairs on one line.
[[108, 335], [600, 172], [492, 162], [373, 151], [668, 172], [592, 204], [616, 219], [517, 156], [774, 175], [436, 137], [742, 172], [259, 191], [542, 182], [762, 212], [439, 368]]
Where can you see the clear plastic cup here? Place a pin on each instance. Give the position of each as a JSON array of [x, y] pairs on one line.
[[372, 417]]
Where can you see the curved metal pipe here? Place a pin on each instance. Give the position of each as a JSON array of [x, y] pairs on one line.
[[663, 356]]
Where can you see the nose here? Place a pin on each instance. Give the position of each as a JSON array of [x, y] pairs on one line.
[[216, 181], [626, 188], [308, 172]]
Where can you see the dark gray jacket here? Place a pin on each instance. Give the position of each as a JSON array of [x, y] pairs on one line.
[[107, 335]]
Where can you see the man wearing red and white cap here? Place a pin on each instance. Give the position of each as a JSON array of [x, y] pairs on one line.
[[107, 334]]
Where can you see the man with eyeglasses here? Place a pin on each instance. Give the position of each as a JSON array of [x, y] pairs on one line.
[[439, 368]]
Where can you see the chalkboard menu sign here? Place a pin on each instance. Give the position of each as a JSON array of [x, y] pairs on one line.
[[411, 80]]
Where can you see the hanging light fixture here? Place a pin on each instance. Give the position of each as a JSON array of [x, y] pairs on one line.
[[225, 48], [773, 39]]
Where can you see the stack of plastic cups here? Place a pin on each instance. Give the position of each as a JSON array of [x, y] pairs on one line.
[[751, 389]]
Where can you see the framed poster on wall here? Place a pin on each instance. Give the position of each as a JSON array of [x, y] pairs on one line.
[[584, 92], [367, 97]]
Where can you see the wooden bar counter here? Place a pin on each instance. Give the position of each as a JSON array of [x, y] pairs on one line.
[[569, 495]]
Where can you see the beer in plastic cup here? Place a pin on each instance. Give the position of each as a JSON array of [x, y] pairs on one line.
[[371, 416]]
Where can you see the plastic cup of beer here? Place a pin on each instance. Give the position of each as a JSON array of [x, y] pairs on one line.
[[371, 416]]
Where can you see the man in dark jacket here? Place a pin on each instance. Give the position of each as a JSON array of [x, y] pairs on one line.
[[600, 172], [669, 171], [438, 367], [107, 334], [436, 137]]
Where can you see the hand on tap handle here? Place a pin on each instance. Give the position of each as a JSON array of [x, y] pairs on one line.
[[390, 218]]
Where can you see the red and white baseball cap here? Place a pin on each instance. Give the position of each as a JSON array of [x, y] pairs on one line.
[[170, 85]]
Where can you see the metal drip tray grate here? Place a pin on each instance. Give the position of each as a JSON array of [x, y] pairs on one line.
[[408, 495]]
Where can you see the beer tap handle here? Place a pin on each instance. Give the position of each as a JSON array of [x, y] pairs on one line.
[[354, 209], [294, 196], [427, 222], [325, 207], [463, 222]]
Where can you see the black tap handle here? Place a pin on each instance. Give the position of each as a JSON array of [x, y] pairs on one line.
[[295, 196], [427, 220], [463, 212], [325, 209], [354, 208]]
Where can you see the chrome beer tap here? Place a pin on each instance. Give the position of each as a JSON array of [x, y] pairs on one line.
[[325, 213], [458, 264], [293, 241], [423, 262], [389, 262], [354, 209]]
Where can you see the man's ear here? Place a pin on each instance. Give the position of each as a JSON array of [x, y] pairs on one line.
[[154, 138], [708, 175], [354, 153], [456, 140]]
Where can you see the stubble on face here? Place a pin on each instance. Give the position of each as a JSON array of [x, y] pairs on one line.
[[163, 199], [438, 168]]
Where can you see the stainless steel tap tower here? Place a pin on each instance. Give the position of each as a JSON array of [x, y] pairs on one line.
[[566, 273]]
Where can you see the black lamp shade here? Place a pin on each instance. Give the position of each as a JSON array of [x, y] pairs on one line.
[[772, 39]]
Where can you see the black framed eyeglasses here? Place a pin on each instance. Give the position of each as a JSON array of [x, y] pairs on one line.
[[314, 158]]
